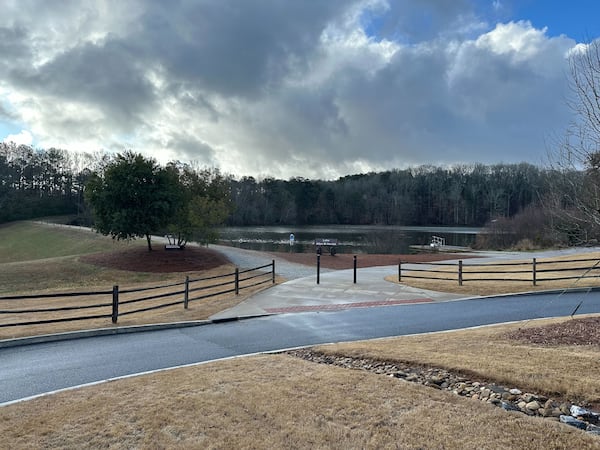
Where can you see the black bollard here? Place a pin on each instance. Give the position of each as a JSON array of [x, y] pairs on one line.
[[318, 268]]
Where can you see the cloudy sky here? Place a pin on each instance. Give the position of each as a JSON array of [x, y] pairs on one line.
[[285, 88]]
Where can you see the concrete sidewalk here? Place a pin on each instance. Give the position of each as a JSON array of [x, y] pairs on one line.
[[335, 291]]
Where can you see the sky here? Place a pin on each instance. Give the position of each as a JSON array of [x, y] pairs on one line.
[[292, 88]]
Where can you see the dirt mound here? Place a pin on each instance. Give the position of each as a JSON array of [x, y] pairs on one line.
[[159, 260]]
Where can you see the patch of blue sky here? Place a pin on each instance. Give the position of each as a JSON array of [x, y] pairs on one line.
[[380, 24], [577, 19], [372, 23], [8, 128]]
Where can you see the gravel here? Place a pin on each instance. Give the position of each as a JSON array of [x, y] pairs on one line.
[[246, 259]]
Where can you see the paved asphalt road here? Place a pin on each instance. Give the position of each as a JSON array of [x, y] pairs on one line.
[[34, 369]]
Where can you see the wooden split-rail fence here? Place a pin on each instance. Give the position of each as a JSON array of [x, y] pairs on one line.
[[25, 310]]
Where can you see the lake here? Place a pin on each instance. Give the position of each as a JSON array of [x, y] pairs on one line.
[[351, 238]]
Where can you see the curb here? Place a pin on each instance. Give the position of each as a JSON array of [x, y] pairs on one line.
[[70, 335]]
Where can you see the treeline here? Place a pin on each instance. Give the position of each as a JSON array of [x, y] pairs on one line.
[[465, 195], [36, 183]]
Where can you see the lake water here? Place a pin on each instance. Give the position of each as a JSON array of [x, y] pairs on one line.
[[351, 239]]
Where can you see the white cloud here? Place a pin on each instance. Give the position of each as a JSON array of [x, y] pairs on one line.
[[518, 39], [312, 88], [24, 137]]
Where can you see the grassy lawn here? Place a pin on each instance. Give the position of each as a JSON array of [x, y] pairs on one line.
[[501, 282], [277, 401], [42, 258], [566, 369], [37, 257], [29, 241]]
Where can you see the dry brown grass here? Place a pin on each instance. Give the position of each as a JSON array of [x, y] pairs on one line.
[[198, 309], [568, 370], [281, 402], [273, 402], [503, 282]]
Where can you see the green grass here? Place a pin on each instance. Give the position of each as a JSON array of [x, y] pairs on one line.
[[29, 241], [39, 257]]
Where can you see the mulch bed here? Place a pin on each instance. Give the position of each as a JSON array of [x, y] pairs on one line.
[[346, 261], [584, 331], [193, 259], [159, 260]]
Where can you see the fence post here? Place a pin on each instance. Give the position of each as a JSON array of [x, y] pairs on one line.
[[115, 304], [186, 292], [318, 268], [237, 281], [273, 262], [399, 271], [354, 269], [534, 272], [460, 272]]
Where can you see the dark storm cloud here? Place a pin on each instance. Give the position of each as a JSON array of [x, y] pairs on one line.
[[477, 100], [13, 45], [192, 149], [105, 75], [284, 88], [230, 47]]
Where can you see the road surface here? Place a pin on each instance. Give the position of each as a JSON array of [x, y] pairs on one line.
[[39, 368]]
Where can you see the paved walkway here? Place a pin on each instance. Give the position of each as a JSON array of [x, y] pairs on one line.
[[337, 290], [251, 258]]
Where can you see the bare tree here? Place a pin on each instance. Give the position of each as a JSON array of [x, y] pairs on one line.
[[575, 160]]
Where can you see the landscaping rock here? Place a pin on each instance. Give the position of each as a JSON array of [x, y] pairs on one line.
[[570, 420], [512, 399], [533, 406], [584, 414], [509, 406], [593, 429]]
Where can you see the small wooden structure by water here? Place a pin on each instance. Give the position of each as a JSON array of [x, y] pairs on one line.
[[438, 244]]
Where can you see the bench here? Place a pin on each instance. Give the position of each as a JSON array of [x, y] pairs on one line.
[[172, 245]]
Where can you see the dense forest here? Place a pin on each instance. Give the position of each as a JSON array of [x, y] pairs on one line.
[[426, 195], [36, 183]]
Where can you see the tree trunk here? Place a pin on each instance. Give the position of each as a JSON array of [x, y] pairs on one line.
[[149, 240]]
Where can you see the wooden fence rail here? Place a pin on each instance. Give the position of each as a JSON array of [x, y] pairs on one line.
[[502, 271], [128, 301]]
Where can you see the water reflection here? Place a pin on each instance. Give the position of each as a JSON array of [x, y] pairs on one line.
[[351, 239]]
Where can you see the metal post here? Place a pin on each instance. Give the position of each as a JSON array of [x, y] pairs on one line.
[[273, 262], [186, 292], [318, 268], [534, 272], [354, 269], [115, 304], [399, 271], [460, 272], [237, 281]]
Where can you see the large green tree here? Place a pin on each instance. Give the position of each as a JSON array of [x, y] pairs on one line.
[[206, 203], [133, 197]]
